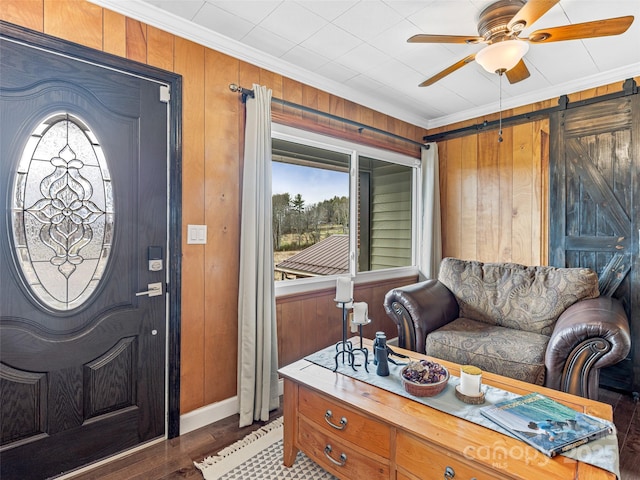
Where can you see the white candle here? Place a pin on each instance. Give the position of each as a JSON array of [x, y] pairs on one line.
[[360, 313], [344, 289], [470, 380]]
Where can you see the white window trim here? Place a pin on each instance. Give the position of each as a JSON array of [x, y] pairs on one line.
[[302, 285]]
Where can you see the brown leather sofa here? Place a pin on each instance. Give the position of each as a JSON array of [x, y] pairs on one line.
[[543, 325]]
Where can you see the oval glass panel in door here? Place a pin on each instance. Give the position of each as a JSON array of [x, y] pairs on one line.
[[62, 212]]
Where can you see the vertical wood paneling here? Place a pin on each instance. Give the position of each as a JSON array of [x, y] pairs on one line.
[[443, 162], [300, 317], [222, 211], [160, 48], [115, 33], [336, 107], [540, 194], [290, 319], [292, 92], [499, 215], [274, 82], [136, 41], [327, 316], [488, 210], [523, 194], [453, 198], [324, 105], [310, 99], [501, 212], [366, 116], [189, 62], [74, 20], [380, 122], [505, 201], [469, 197], [350, 111], [28, 13]]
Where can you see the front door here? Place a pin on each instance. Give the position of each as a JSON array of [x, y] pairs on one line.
[[83, 240], [594, 193]]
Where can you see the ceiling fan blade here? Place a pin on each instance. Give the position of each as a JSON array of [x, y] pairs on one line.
[[529, 13], [518, 73], [447, 71], [597, 28], [426, 38]]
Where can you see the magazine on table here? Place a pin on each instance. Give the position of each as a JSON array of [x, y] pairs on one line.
[[545, 424]]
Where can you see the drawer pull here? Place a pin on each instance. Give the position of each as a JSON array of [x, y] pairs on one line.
[[343, 457], [449, 473], [343, 421]]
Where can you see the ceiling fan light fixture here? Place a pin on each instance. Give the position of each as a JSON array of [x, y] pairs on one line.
[[502, 56]]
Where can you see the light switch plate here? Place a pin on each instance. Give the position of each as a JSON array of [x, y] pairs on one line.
[[197, 234]]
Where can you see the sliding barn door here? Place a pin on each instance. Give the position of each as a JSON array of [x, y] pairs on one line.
[[595, 207]]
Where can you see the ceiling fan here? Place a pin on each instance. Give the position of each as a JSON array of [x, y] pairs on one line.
[[500, 26]]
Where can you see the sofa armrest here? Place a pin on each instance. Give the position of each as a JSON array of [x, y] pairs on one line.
[[589, 335], [418, 309]]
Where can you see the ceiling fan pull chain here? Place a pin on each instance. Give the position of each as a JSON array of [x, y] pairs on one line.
[[500, 106]]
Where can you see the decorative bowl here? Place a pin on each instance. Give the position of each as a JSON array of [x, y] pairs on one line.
[[434, 378]]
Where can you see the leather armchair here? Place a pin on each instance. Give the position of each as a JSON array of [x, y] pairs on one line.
[[588, 335]]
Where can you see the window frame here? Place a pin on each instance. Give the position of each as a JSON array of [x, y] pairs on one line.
[[355, 150]]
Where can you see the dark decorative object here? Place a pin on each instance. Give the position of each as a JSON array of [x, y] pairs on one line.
[[434, 381], [381, 355], [345, 348]]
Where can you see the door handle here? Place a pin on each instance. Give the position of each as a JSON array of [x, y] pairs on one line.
[[155, 290]]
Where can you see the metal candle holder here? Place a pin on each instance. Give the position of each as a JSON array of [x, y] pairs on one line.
[[345, 347], [361, 348]]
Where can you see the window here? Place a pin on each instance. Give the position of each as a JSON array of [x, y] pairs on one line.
[[384, 214], [62, 212], [340, 207]]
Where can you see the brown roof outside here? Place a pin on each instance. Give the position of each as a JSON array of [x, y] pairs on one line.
[[327, 257]]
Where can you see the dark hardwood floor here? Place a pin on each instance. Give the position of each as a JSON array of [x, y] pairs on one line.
[[173, 459], [626, 416]]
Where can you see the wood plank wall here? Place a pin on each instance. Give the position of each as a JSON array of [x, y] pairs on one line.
[[495, 194], [302, 315], [212, 145]]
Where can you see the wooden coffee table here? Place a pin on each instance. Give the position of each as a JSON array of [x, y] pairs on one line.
[[358, 431]]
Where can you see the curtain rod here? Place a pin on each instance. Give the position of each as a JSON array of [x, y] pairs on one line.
[[245, 92]]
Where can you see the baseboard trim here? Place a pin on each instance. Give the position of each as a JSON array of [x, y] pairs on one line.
[[214, 412], [208, 414]]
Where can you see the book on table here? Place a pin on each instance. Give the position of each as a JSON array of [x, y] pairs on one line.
[[545, 424]]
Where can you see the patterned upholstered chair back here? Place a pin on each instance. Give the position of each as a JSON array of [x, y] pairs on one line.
[[516, 296]]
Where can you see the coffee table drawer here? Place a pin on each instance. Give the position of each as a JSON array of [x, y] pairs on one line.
[[342, 459], [344, 423], [426, 461]]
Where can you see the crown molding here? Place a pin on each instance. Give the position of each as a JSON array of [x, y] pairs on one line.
[[152, 15], [156, 17], [598, 80]]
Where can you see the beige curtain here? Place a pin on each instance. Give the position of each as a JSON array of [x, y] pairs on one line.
[[431, 235], [257, 336]]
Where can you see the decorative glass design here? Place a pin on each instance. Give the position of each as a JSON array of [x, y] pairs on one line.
[[62, 212]]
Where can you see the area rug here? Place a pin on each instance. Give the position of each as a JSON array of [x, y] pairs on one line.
[[258, 456]]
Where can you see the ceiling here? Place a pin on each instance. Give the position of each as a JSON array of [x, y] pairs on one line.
[[358, 49]]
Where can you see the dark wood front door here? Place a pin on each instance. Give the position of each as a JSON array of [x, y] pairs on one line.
[[83, 169], [594, 208]]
